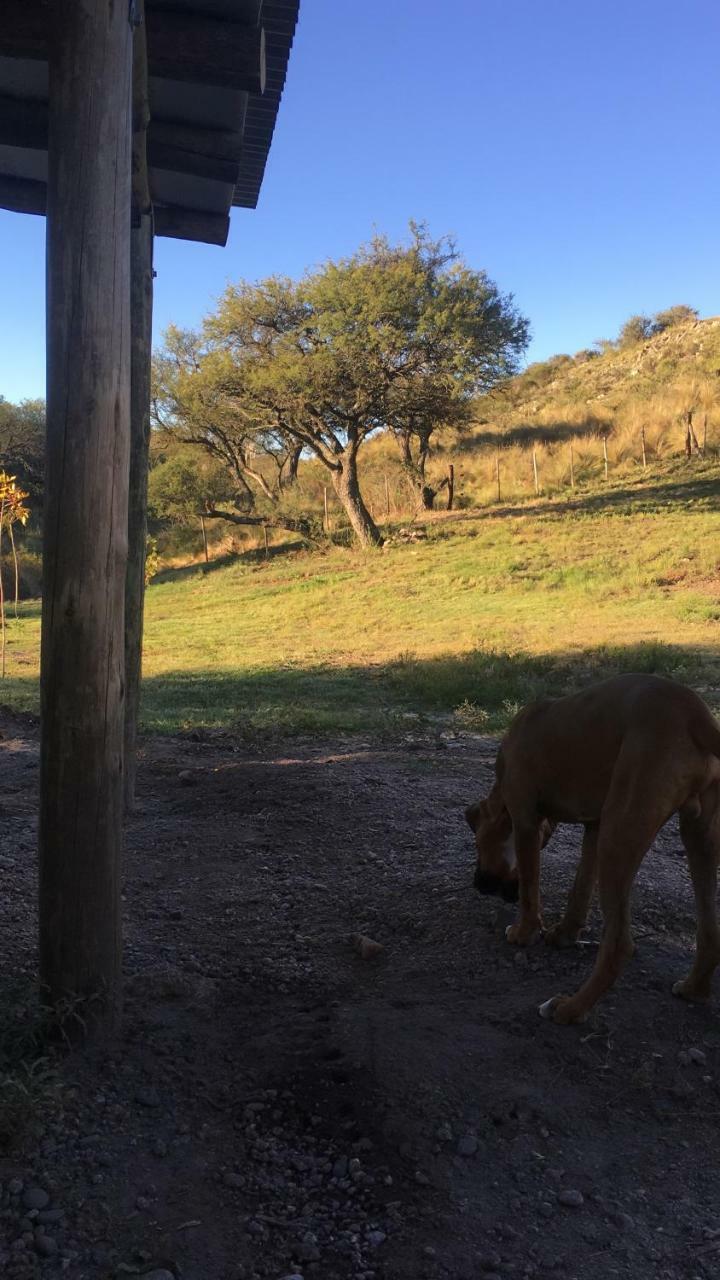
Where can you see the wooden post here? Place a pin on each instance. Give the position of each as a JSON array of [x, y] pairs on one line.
[[141, 304], [642, 441], [451, 486], [605, 455], [387, 498], [497, 473], [535, 471], [704, 443], [86, 512], [204, 538], [325, 508], [265, 539], [572, 467]]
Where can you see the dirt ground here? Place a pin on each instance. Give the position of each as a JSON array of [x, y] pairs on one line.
[[280, 1107]]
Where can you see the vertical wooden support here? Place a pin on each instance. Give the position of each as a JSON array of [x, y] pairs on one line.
[[204, 538], [605, 456], [572, 467], [387, 497], [85, 535], [497, 473], [642, 441], [325, 509], [141, 293], [535, 472]]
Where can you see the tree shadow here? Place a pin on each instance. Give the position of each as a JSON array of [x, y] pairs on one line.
[[526, 434], [482, 689], [703, 491], [254, 555]]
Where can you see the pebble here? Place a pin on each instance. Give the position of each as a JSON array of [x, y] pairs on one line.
[[375, 1239], [35, 1198], [147, 1096], [15, 1186], [697, 1056], [467, 1145], [571, 1198], [45, 1245], [159, 1275]]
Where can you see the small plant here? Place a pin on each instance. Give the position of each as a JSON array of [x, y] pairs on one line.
[[471, 717], [12, 511]]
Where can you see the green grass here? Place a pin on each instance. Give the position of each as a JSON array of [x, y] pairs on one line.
[[496, 607]]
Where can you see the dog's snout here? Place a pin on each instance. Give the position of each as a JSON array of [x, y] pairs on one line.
[[487, 883]]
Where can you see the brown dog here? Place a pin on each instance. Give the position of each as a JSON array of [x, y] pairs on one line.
[[621, 758]]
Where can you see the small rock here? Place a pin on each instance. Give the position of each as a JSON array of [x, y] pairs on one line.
[[308, 1252], [421, 1178], [467, 1145], [697, 1056], [158, 1275], [444, 1133], [188, 778], [571, 1198], [35, 1198], [375, 1239], [15, 1186], [45, 1245], [366, 948], [490, 1263], [147, 1096], [340, 1167]]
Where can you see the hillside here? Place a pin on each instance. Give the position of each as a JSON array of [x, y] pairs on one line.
[[679, 361], [486, 610]]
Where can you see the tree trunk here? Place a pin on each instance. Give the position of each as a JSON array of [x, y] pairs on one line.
[[347, 488], [141, 287], [427, 497], [86, 511], [299, 525]]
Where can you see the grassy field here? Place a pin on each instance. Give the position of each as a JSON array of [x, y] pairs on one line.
[[496, 606]]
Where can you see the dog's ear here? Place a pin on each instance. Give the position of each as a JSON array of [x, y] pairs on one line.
[[473, 814]]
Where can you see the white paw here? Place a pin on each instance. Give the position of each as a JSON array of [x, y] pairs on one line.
[[546, 1009]]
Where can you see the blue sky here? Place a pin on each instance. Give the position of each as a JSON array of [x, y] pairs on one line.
[[570, 147]]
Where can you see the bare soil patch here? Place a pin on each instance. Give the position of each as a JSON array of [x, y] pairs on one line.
[[277, 1106]]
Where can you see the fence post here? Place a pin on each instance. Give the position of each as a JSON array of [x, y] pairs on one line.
[[704, 433], [535, 472], [572, 467], [642, 438], [387, 497], [605, 456], [451, 485], [325, 507], [267, 551], [497, 474]]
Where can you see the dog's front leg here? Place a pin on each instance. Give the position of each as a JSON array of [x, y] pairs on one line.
[[528, 843], [566, 931]]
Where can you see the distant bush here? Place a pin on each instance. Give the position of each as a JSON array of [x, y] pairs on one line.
[[672, 316], [637, 329]]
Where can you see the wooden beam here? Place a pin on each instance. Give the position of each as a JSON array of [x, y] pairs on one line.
[[221, 144], [191, 224], [85, 534], [177, 160], [141, 303], [23, 195], [184, 46], [204, 153], [181, 46]]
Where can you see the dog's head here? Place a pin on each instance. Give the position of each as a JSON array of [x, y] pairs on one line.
[[496, 870]]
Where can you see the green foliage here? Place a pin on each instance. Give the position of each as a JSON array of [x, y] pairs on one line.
[[673, 316], [637, 329], [395, 337], [22, 444], [182, 482]]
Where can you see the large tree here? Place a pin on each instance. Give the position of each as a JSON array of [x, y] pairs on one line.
[[395, 337]]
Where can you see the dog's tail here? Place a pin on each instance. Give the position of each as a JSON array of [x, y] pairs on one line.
[[706, 735]]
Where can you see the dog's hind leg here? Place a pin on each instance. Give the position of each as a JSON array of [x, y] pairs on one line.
[[700, 831], [566, 930], [624, 838]]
